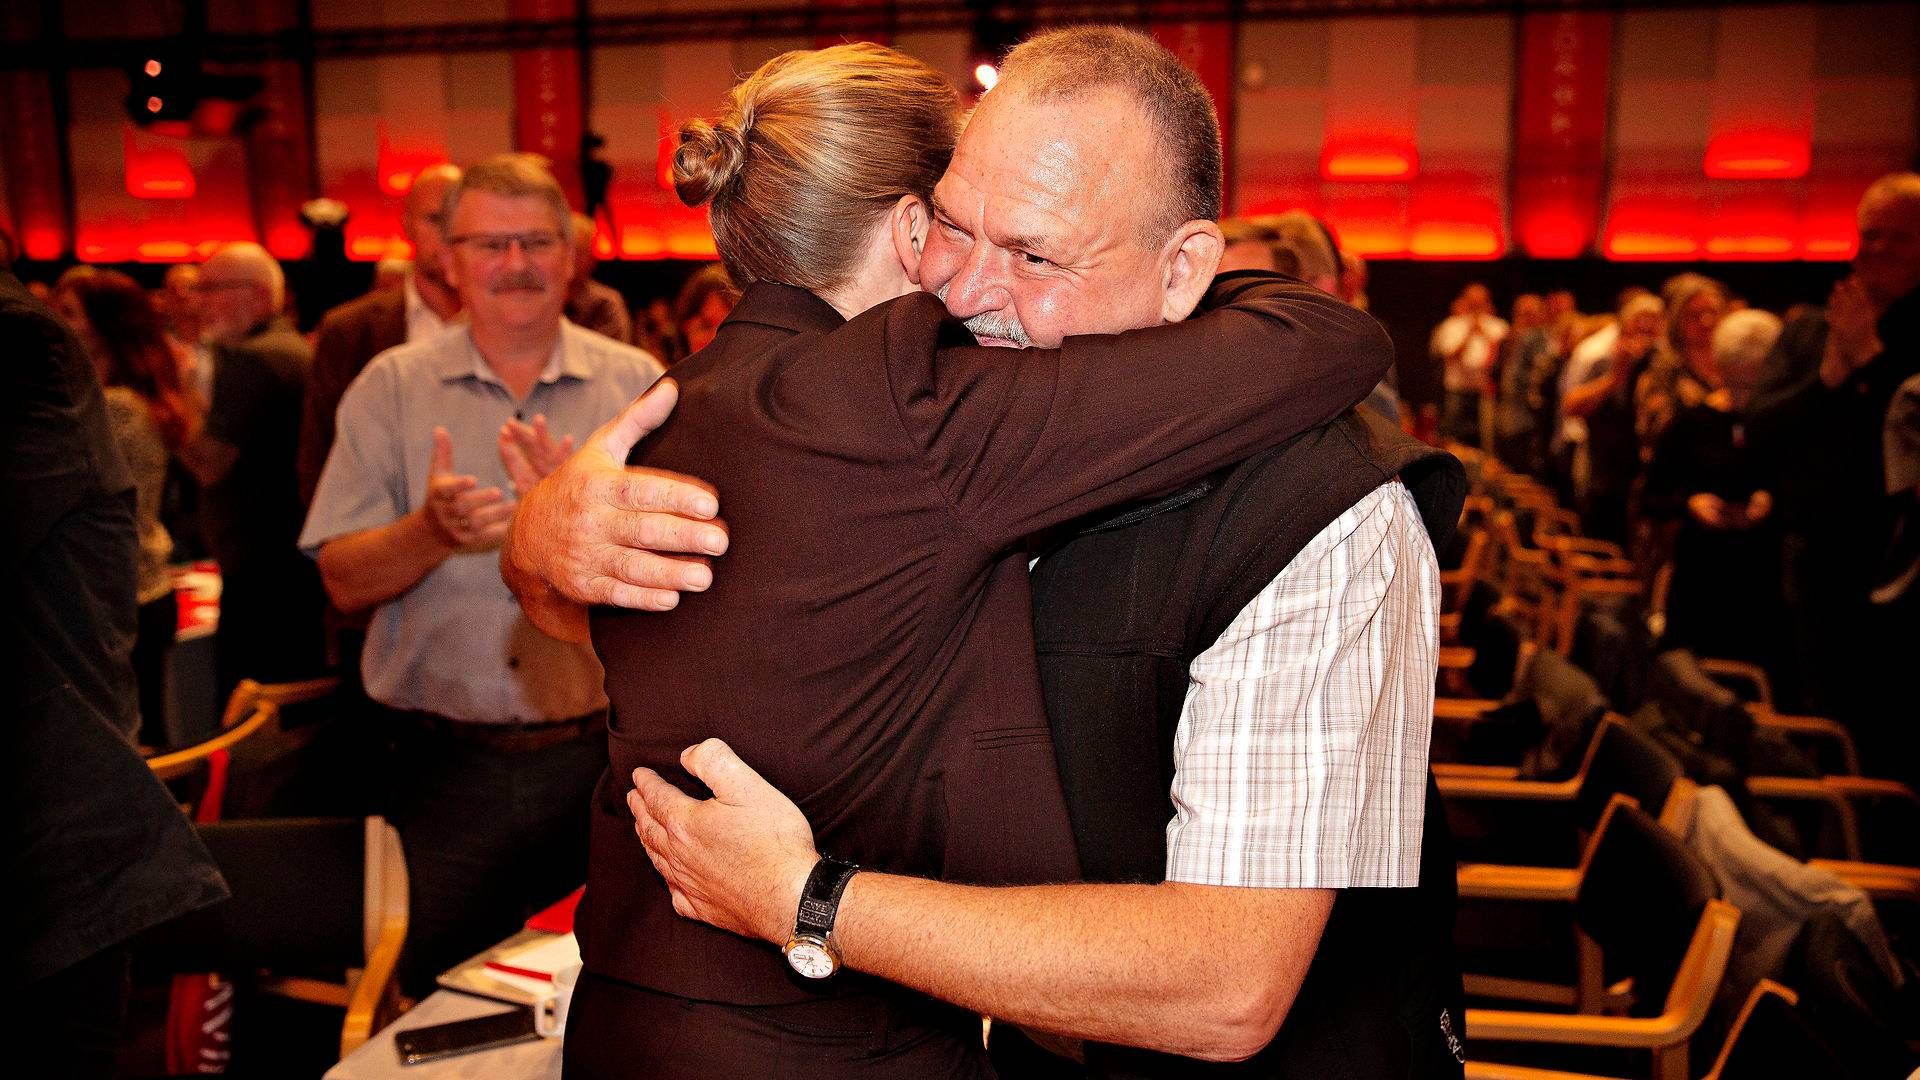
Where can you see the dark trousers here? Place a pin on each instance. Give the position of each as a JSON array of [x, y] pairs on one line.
[[70, 1022], [271, 623], [152, 643], [491, 836], [618, 1031]]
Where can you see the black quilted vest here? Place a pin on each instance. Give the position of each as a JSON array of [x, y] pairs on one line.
[[1120, 611]]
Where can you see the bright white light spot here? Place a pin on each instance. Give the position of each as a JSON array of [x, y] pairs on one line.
[[986, 75]]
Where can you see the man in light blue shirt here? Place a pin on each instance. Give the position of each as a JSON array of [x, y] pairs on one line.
[[500, 728]]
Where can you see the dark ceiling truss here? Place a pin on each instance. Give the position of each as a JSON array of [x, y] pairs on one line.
[[793, 20]]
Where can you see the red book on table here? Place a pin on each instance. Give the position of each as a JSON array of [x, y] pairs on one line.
[[558, 919]]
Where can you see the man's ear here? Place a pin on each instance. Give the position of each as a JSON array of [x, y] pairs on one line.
[[908, 221], [449, 267], [1193, 255]]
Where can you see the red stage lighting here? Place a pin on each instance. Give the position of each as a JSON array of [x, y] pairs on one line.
[[1354, 160], [1758, 155]]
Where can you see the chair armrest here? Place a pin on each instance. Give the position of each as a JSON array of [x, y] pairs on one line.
[[1858, 787], [1881, 881], [1488, 1070], [1455, 657], [1512, 1025], [1445, 771], [1454, 708], [1455, 785], [293, 693], [1815, 790], [366, 1005], [180, 762], [1491, 881], [1814, 727]]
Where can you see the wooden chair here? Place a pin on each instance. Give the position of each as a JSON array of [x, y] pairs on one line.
[[311, 896], [1664, 935], [1768, 1039]]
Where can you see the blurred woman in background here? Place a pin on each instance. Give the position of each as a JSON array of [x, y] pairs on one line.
[[152, 416]]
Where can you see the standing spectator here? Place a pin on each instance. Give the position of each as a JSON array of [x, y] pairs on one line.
[[1249, 245], [416, 494], [1526, 364], [1836, 372], [597, 306], [704, 303], [1606, 457], [97, 851], [180, 309], [361, 329], [1684, 370], [152, 418], [270, 606], [1465, 345], [1705, 478]]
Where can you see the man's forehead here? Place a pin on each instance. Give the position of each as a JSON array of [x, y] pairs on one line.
[[486, 208], [1040, 165]]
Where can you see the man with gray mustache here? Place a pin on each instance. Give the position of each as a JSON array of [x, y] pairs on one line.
[[435, 440]]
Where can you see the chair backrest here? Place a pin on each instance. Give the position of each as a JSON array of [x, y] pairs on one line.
[[257, 717], [1626, 761], [1641, 898], [300, 895], [1691, 701]]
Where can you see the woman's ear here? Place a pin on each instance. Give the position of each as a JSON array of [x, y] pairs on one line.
[[908, 222]]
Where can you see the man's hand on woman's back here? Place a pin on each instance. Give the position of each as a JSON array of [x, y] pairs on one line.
[[597, 531]]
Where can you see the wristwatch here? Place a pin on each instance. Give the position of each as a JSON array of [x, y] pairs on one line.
[[811, 950]]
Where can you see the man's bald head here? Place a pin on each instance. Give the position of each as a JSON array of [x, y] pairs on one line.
[[423, 220], [241, 286], [1889, 260], [1073, 61]]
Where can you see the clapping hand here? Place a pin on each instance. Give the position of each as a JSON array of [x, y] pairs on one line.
[[466, 516]]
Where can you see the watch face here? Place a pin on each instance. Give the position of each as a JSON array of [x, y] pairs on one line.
[[810, 957]]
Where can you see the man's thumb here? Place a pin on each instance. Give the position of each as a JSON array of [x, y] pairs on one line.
[[715, 764], [638, 420]]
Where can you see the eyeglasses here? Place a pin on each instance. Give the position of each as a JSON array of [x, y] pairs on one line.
[[496, 245]]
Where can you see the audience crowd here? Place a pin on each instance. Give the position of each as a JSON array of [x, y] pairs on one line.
[[1757, 469]]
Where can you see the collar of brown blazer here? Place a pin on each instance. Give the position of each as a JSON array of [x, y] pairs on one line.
[[784, 307]]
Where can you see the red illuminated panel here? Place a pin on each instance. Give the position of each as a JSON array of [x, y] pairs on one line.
[[398, 162], [1371, 226], [155, 170], [43, 244], [1453, 225], [1455, 240], [1550, 232], [375, 248], [164, 251], [1369, 160], [1754, 227], [1653, 228], [288, 242], [1758, 156]]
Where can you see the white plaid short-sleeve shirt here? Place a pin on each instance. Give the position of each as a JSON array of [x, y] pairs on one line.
[[1301, 755]]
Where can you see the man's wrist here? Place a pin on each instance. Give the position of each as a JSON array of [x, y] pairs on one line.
[[791, 884]]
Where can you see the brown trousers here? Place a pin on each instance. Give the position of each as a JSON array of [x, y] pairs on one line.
[[618, 1031]]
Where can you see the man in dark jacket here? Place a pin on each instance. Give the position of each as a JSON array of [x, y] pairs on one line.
[[99, 851], [270, 598], [1834, 374]]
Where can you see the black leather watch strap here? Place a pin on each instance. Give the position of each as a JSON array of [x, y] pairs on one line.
[[820, 899]]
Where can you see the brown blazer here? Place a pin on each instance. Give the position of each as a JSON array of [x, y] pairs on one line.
[[868, 646], [349, 336]]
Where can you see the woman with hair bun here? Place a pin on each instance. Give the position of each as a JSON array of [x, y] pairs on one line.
[[869, 648]]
